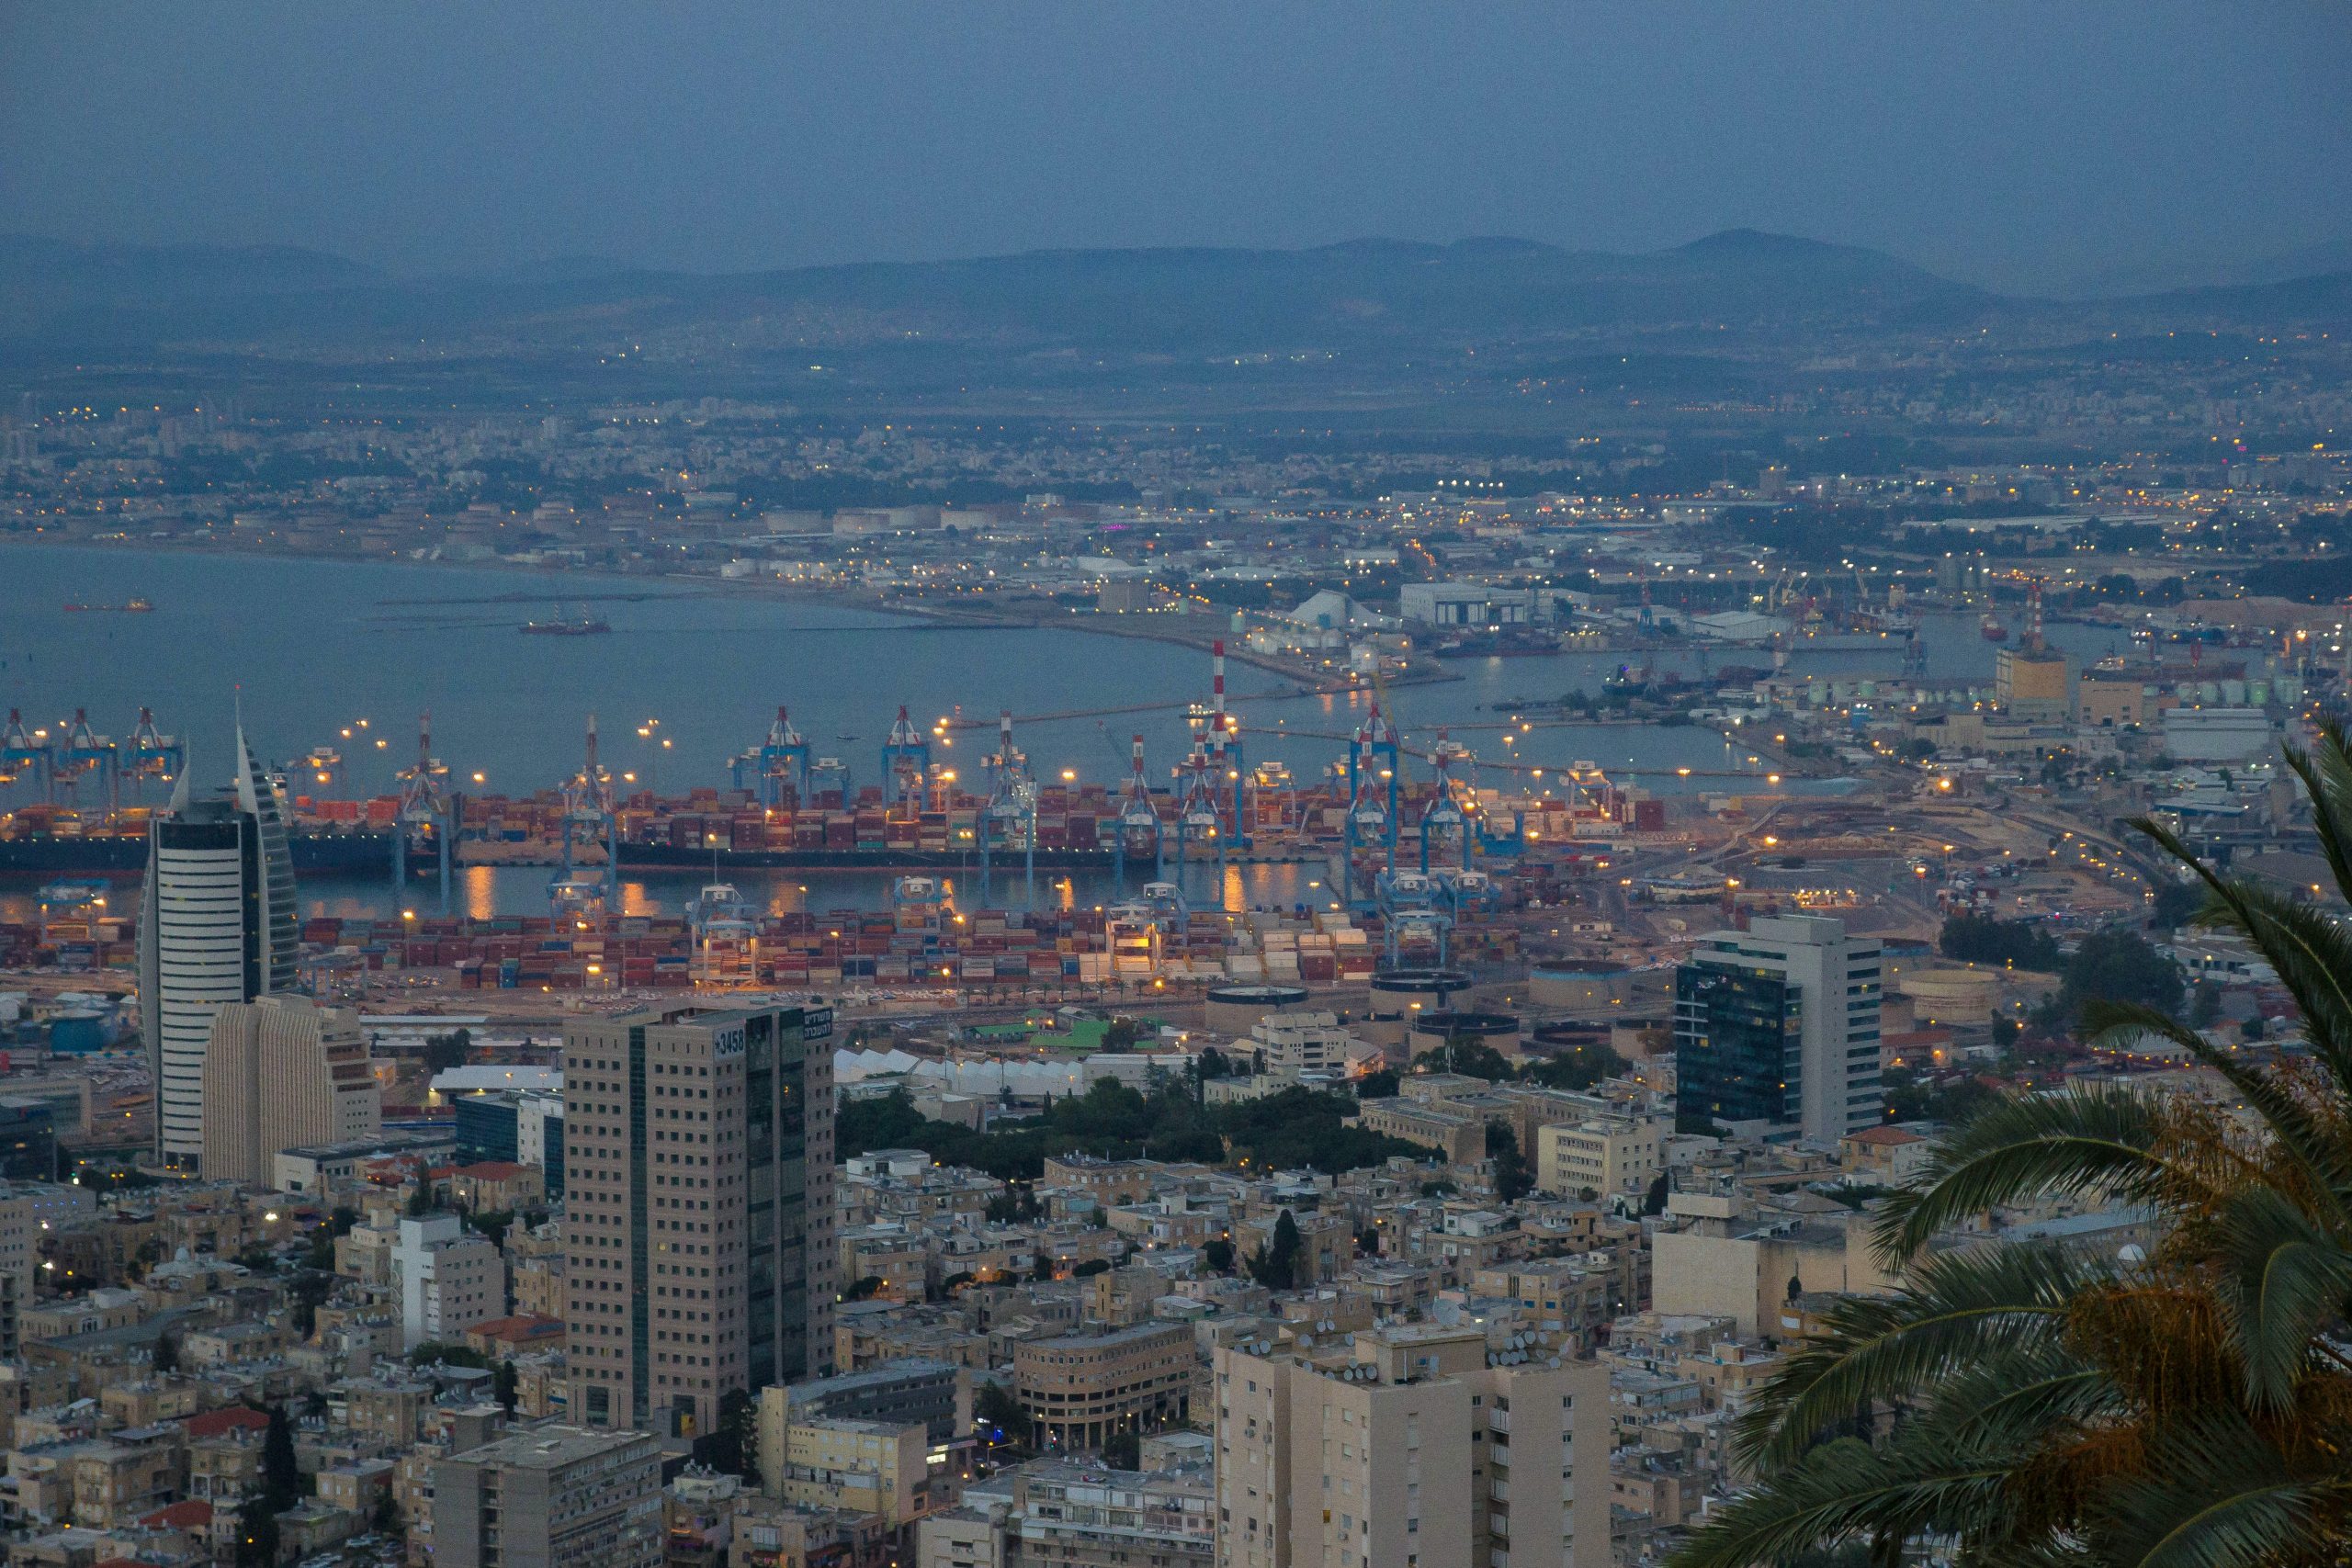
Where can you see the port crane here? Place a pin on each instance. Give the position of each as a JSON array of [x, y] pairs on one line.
[[591, 815], [24, 752], [149, 754], [1199, 810], [1444, 817], [1011, 804], [905, 769], [425, 808], [1374, 764], [1137, 824], [777, 765], [82, 754]]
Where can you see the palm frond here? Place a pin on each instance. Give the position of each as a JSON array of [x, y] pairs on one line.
[[2288, 1280], [2217, 1494], [2082, 1140], [1850, 1491], [1958, 1311], [2298, 1132]]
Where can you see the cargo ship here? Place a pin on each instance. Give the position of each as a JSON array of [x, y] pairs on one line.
[[128, 607], [582, 624]]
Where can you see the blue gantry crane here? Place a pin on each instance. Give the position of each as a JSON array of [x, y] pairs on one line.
[[776, 766]]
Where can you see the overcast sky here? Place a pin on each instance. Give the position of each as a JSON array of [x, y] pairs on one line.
[[2030, 144]]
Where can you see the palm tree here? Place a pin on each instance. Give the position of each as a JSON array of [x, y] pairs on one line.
[[2187, 1406]]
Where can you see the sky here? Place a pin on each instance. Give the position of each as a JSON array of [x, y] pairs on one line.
[[2021, 145]]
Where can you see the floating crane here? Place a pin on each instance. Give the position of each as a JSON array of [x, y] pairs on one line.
[[1011, 804], [906, 768], [591, 815], [1138, 831], [777, 765], [425, 809]]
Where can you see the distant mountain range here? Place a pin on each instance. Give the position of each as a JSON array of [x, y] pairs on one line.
[[1383, 295]]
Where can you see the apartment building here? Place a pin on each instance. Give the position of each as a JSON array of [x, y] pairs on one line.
[[1406, 1449], [1603, 1153], [550, 1497], [449, 1279], [1081, 1388]]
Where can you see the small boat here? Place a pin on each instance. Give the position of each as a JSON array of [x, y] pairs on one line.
[[128, 607], [1993, 629]]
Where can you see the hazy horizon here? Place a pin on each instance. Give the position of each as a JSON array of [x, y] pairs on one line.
[[2015, 147]]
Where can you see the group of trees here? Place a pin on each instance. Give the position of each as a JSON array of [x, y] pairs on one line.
[[2115, 964], [1298, 1127], [1981, 939]]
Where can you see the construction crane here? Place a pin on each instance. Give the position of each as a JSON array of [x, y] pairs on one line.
[[424, 808], [1137, 824], [777, 765], [591, 815], [1011, 804], [906, 767]]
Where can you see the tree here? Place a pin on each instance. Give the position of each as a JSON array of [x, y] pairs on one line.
[[1379, 1085], [443, 1051], [1121, 1034], [1980, 938], [420, 1202], [2204, 1005], [1578, 1067], [997, 1410], [385, 1518], [1275, 1265], [506, 1387], [1467, 1055], [281, 1477], [167, 1353], [1213, 1063], [2065, 1406], [865, 1287], [1218, 1253], [256, 1534], [2120, 966], [1654, 1201], [1122, 1449], [1513, 1180]]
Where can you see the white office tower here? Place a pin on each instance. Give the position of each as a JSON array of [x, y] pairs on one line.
[[217, 924]]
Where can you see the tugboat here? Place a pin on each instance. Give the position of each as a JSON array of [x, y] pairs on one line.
[[564, 625], [1993, 629]]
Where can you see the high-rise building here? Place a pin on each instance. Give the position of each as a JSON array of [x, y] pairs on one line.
[[1406, 1449], [550, 1497], [698, 1152], [1778, 1026], [217, 925], [280, 1073]]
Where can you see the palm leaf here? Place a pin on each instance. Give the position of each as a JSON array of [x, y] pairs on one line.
[[1959, 1309], [2217, 1494], [2288, 1282], [2082, 1140]]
